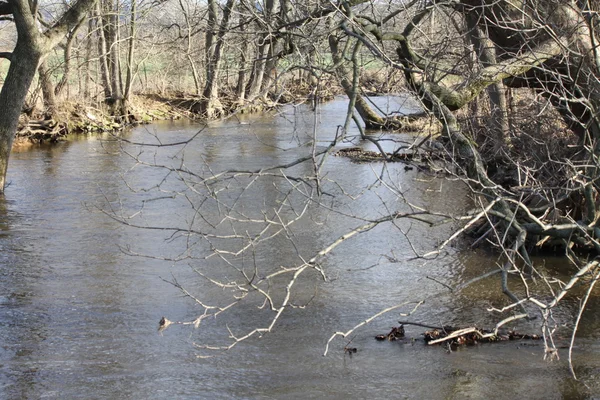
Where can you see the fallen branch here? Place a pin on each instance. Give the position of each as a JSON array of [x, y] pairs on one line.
[[461, 334], [368, 320]]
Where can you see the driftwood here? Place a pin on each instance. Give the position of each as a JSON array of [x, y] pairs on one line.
[[472, 335], [454, 336]]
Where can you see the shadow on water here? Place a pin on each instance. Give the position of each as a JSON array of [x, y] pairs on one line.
[[78, 316]]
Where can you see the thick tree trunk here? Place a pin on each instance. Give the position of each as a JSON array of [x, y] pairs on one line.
[[24, 62], [561, 78], [270, 72], [45, 79], [257, 73], [211, 105], [29, 50]]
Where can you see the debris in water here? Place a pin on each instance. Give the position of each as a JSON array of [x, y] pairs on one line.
[[163, 324], [454, 337], [395, 334]]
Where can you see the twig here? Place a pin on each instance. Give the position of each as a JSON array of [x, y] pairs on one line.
[[466, 331], [576, 327], [368, 320], [441, 328], [456, 334], [481, 214]]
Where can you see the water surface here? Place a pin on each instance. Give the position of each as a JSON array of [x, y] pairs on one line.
[[79, 314]]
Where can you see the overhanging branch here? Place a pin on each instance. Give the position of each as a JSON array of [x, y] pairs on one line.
[[464, 92], [70, 19]]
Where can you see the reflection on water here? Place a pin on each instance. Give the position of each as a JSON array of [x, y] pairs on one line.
[[78, 316]]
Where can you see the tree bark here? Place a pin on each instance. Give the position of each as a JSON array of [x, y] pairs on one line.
[[67, 59], [23, 66], [45, 79], [103, 53], [188, 54], [88, 56], [130, 50], [240, 91], [30, 48], [486, 53], [117, 107], [211, 105], [257, 73]]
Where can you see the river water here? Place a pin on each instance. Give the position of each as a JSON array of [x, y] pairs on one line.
[[79, 313]]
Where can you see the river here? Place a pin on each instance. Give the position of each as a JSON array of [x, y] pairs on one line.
[[79, 314]]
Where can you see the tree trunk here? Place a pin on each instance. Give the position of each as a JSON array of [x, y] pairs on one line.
[[130, 50], [270, 76], [211, 105], [23, 66], [486, 53], [270, 73], [103, 53], [47, 90], [257, 73], [67, 59], [117, 108], [188, 54], [88, 56], [30, 48], [240, 91]]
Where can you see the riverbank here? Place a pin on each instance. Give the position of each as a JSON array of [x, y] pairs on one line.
[[73, 118]]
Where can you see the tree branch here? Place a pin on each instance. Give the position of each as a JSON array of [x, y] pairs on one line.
[[464, 92], [69, 19]]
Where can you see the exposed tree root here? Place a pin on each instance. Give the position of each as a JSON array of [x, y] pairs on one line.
[[44, 130]]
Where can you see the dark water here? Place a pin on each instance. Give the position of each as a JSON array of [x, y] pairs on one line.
[[79, 315]]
